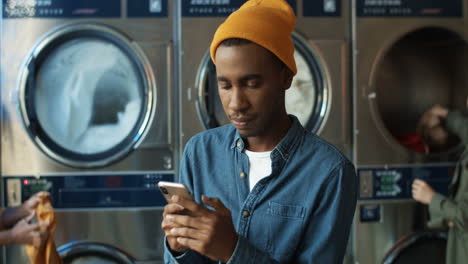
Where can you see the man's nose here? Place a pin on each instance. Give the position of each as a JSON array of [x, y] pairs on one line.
[[238, 101]]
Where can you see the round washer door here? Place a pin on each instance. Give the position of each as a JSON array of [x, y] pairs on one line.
[[307, 98], [84, 252], [87, 94], [423, 68], [425, 247]]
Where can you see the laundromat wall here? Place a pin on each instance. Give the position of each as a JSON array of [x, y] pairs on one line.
[[368, 69]]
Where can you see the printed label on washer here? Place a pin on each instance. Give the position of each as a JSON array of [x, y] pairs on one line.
[[383, 183], [215, 8], [14, 192], [61, 8], [321, 8], [409, 8], [147, 8]]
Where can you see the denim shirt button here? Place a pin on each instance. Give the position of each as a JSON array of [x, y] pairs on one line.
[[245, 213], [239, 144], [243, 175]]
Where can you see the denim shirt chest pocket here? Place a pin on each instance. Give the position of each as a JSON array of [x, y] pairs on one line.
[[284, 228]]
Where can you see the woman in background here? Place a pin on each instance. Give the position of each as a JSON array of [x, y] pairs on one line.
[[449, 212]]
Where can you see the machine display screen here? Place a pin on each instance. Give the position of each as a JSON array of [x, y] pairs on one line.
[[395, 182], [61, 8], [409, 8], [215, 8], [83, 8], [89, 191]]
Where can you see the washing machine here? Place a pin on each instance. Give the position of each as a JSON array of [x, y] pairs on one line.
[[408, 56], [319, 94], [87, 106]]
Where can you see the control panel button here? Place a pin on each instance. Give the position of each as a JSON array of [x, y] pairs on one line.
[[14, 192]]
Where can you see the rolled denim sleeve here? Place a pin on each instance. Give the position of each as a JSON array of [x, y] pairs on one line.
[[189, 257]]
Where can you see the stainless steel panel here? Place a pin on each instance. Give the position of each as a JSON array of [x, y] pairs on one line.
[[136, 231], [394, 82], [398, 219], [337, 124], [197, 34], [325, 28], [24, 156], [417, 70]]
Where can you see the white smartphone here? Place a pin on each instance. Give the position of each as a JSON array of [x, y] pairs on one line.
[[168, 189]]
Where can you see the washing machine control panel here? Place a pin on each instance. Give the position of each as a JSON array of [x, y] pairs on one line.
[[217, 8], [88, 190], [409, 8], [395, 182], [83, 8]]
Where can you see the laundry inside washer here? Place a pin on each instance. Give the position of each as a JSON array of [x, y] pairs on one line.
[[420, 70], [99, 97]]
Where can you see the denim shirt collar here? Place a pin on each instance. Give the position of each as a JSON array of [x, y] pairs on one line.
[[285, 146]]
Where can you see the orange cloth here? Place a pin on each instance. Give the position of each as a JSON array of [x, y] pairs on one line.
[[268, 23], [48, 254]]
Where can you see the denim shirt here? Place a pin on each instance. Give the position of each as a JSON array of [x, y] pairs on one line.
[[301, 213]]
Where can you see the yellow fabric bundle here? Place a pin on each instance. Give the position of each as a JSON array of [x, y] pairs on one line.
[[48, 254]]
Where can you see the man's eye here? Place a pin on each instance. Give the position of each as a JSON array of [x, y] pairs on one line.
[[224, 85], [252, 83]]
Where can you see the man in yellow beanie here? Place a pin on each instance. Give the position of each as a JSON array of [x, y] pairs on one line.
[[265, 189]]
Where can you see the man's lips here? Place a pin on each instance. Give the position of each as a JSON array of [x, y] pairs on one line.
[[241, 122]]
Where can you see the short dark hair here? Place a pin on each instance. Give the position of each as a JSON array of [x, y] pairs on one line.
[[235, 42], [240, 41]]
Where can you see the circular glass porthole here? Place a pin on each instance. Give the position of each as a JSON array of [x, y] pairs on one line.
[[307, 98], [423, 68], [85, 252], [423, 247], [86, 95]]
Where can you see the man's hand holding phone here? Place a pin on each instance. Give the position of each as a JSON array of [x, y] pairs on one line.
[[173, 192], [188, 224], [172, 208]]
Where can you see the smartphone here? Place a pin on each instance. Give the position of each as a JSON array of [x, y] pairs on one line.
[[168, 189]]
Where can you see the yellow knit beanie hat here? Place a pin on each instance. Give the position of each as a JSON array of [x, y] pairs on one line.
[[268, 23]]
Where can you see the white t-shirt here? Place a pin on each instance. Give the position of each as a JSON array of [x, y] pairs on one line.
[[260, 166]]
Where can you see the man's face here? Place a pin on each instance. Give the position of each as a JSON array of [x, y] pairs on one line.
[[251, 84]]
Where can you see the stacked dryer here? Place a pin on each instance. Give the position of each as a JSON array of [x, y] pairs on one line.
[[319, 94], [409, 55], [87, 102]]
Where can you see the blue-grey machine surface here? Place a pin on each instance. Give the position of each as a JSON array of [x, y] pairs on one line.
[[87, 115], [408, 56]]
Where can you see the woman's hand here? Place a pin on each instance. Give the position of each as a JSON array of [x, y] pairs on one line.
[[25, 232], [422, 192]]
